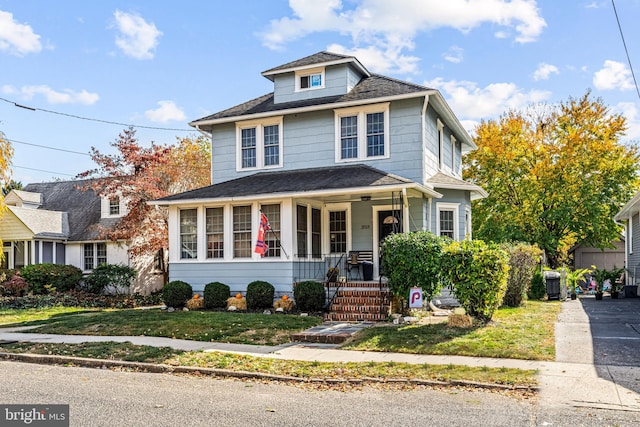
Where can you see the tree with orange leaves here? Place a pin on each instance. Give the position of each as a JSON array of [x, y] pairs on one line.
[[555, 176], [137, 175]]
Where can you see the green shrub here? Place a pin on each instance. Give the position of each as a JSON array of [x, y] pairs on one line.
[[45, 278], [176, 293], [523, 259], [260, 294], [117, 277], [79, 299], [216, 295], [413, 259], [538, 288], [478, 273], [309, 296]]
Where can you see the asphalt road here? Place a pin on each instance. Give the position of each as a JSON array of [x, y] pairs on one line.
[[100, 397]]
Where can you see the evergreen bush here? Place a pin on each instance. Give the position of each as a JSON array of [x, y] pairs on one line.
[[523, 259], [538, 288], [260, 294], [117, 277], [309, 296], [176, 293], [216, 295], [45, 278]]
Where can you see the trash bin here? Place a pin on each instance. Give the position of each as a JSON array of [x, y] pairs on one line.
[[552, 280], [631, 291], [367, 270]]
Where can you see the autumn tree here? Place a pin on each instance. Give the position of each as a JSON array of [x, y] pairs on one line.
[[137, 175], [6, 154], [555, 176]]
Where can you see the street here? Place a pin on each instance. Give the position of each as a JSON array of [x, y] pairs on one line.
[[100, 397]]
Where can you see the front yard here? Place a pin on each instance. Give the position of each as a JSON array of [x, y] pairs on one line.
[[524, 333]]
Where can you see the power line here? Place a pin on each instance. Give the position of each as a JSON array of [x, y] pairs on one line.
[[48, 148], [92, 119], [41, 170], [625, 48]]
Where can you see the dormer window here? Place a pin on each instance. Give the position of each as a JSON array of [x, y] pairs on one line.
[[114, 206], [310, 79]]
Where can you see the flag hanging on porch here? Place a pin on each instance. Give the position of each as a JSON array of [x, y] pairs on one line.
[[261, 246]]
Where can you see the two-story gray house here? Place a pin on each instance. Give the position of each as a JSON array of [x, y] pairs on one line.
[[336, 158]]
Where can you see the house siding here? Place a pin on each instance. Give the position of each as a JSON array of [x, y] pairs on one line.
[[633, 258], [11, 228], [460, 198], [431, 162], [336, 82]]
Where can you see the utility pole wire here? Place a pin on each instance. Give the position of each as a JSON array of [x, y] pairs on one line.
[[625, 48]]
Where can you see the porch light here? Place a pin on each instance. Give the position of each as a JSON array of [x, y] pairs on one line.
[[365, 198]]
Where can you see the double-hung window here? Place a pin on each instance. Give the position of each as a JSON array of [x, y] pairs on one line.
[[188, 233], [259, 144], [114, 205], [362, 133], [272, 237], [448, 220], [215, 232], [338, 231], [94, 255], [242, 231], [304, 229]]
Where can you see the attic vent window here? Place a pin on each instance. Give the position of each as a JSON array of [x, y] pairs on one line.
[[114, 206], [310, 79]]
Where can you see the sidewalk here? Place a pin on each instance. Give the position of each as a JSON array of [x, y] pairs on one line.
[[572, 380]]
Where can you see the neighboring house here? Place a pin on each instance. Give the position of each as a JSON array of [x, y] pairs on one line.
[[629, 216], [585, 256], [57, 222], [337, 158]]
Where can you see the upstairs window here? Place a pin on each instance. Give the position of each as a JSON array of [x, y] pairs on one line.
[[362, 133], [114, 206], [259, 144], [309, 79]]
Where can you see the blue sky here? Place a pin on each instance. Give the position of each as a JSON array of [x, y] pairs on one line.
[[165, 63]]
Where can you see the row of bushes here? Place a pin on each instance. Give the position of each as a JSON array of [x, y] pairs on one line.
[[482, 276], [79, 299], [309, 296], [42, 279]]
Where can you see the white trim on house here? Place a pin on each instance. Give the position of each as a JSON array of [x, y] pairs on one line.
[[259, 126], [361, 115], [440, 147], [309, 72], [630, 234], [452, 207], [335, 207]]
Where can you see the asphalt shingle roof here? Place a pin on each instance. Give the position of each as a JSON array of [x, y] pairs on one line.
[[375, 86], [82, 207], [316, 58], [295, 181]]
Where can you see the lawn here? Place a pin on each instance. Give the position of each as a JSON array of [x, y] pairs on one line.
[[525, 332], [291, 368], [237, 328], [9, 316]]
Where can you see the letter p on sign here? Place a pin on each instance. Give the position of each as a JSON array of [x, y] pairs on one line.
[[415, 298]]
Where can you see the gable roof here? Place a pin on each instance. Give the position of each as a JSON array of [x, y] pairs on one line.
[[82, 207], [442, 180], [323, 58], [19, 196], [43, 223], [343, 179]]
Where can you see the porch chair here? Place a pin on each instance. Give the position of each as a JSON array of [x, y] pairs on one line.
[[353, 263]]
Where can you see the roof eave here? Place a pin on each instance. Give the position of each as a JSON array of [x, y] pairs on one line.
[[453, 121], [330, 106], [430, 192], [271, 74]]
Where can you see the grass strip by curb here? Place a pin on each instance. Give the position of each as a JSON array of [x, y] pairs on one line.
[[225, 373]]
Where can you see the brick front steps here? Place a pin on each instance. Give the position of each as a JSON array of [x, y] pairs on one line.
[[359, 302]]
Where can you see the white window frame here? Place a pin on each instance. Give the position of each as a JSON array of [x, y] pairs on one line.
[[94, 254], [455, 208], [361, 114], [259, 126], [630, 234], [309, 72], [335, 207], [440, 148]]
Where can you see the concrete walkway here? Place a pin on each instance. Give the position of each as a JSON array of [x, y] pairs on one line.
[[572, 380]]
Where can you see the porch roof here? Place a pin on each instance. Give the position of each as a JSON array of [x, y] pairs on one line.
[[441, 180], [358, 178]]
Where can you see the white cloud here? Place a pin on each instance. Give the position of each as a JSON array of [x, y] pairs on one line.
[[136, 38], [167, 111], [67, 96], [544, 71], [630, 111], [471, 102], [614, 75], [393, 26], [454, 54], [15, 38], [380, 60]]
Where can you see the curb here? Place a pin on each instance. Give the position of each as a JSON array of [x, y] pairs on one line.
[[45, 359]]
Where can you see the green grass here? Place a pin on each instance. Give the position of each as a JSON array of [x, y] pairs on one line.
[[238, 328], [10, 316], [525, 332], [291, 368]]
